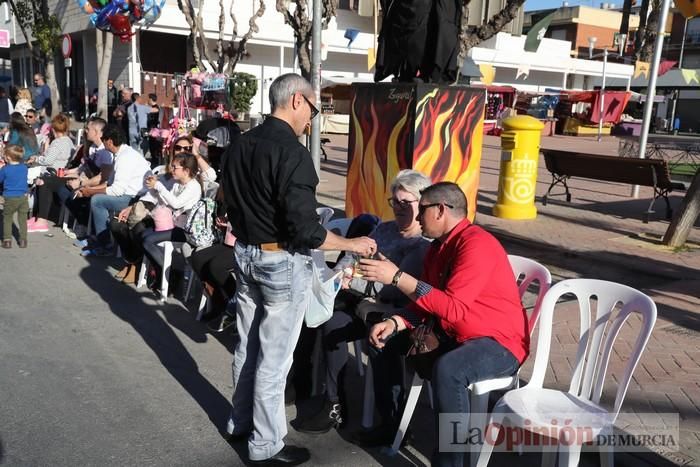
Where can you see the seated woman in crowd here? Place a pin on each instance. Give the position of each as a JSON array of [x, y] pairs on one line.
[[21, 134], [182, 197], [56, 156], [399, 240], [134, 222]]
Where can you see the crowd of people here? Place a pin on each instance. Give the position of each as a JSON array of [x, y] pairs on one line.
[[429, 264]]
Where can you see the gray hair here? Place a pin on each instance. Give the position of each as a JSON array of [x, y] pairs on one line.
[[447, 193], [285, 86], [410, 180]]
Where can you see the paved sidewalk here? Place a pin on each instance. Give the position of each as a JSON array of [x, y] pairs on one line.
[[600, 234]]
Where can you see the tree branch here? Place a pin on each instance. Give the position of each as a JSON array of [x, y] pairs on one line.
[[490, 29], [240, 50]]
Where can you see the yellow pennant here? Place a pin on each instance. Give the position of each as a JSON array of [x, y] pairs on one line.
[[371, 58], [488, 73], [641, 68], [690, 75]]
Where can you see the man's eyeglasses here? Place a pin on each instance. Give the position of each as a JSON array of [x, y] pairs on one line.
[[423, 207], [183, 148], [401, 203], [314, 110]]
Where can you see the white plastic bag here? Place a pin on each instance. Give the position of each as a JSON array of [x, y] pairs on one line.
[[325, 284]]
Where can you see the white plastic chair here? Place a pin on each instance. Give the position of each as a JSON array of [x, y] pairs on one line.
[[530, 271], [544, 408], [325, 214], [168, 250]]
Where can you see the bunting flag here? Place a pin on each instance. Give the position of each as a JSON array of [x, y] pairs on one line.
[[371, 58], [664, 66], [690, 75], [523, 70], [488, 73], [537, 32], [641, 68]]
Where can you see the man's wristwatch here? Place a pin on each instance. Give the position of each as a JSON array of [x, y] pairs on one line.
[[397, 277]]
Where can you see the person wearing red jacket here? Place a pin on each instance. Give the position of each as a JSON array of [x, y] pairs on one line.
[[468, 287]]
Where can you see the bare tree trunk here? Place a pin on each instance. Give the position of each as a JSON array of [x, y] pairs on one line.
[[220, 59], [685, 218], [202, 37], [488, 30], [641, 30], [105, 42], [184, 6], [238, 52], [304, 54], [50, 75], [645, 52]]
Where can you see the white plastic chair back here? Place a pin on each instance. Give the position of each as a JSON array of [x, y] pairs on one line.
[[325, 214], [210, 190], [339, 226], [595, 345], [532, 271]]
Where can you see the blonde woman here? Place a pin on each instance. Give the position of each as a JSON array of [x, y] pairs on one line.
[[24, 101]]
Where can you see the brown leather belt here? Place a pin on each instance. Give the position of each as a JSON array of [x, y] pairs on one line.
[[273, 246]]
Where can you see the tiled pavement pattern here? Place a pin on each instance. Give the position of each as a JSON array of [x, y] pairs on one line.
[[600, 235]]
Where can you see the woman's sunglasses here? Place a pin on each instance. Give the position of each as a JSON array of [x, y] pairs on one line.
[[182, 148]]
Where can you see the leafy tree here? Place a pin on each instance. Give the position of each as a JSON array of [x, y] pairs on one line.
[[243, 87]]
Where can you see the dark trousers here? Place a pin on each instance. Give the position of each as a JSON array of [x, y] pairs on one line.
[[153, 251], [472, 361], [337, 332], [19, 205], [80, 208], [215, 265], [45, 195], [130, 240]]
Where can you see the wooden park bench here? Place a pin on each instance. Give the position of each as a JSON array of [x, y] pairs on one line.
[[644, 172]]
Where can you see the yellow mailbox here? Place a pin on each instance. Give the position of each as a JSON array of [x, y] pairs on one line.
[[520, 150]]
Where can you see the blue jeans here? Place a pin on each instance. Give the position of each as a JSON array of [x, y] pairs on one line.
[[101, 207], [474, 360], [273, 290]]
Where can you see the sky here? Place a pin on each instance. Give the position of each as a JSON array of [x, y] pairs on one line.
[[543, 4]]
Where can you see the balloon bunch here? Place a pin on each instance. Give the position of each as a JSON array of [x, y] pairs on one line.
[[118, 16]]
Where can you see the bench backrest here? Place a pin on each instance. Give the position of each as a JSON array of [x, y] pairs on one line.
[[645, 172]]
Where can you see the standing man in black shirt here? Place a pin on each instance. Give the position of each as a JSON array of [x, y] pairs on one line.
[[269, 184]]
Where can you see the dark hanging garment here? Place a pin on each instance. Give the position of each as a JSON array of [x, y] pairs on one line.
[[402, 39], [442, 47]]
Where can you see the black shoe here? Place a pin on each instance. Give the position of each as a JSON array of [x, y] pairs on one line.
[[289, 455], [330, 416]]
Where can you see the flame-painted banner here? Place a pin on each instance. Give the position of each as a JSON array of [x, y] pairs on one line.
[[436, 130]]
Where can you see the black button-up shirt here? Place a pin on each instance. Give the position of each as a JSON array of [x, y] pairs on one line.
[[269, 184]]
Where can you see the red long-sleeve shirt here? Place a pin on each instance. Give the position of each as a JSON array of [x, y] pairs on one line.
[[480, 297]]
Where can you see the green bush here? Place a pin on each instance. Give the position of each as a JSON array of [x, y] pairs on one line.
[[242, 88]]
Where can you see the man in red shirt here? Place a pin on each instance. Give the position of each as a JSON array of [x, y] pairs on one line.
[[468, 287]]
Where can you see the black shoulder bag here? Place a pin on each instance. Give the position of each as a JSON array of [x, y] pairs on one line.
[[429, 341]]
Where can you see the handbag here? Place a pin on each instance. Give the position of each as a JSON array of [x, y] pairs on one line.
[[325, 284], [428, 341], [139, 211]]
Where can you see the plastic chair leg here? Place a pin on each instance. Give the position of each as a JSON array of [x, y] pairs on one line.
[[411, 403], [167, 261], [188, 290], [358, 357], [569, 455], [491, 432], [368, 402], [142, 273], [204, 306]]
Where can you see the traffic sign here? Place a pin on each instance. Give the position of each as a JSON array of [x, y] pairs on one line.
[[66, 46]]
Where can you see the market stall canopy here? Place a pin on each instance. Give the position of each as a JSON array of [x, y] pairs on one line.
[[615, 102]]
